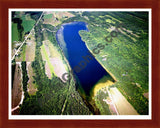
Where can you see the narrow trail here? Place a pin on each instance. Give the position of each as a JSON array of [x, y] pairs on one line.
[[64, 105]]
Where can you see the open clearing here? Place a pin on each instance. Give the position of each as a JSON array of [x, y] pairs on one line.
[[54, 64], [122, 105], [14, 32], [30, 48], [17, 86], [31, 87], [54, 18], [27, 23]]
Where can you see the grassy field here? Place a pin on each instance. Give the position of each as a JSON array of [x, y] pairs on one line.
[[46, 58], [54, 63], [30, 48], [14, 32], [48, 16], [28, 24], [24, 53]]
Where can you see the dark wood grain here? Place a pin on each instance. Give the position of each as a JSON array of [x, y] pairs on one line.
[[6, 123]]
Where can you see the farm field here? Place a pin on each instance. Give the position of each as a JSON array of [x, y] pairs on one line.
[[27, 23], [14, 32], [16, 85], [54, 64], [56, 18], [31, 87], [30, 48]]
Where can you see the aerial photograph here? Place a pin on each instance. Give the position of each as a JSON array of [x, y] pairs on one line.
[[79, 62]]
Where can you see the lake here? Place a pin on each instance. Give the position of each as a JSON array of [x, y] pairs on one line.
[[86, 68]]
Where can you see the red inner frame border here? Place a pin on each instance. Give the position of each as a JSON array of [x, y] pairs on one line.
[[115, 4]]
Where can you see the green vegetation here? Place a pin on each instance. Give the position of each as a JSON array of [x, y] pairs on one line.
[[14, 32], [24, 52], [19, 27], [126, 59], [28, 24], [22, 24], [48, 16], [34, 15], [50, 27], [47, 59], [25, 78], [53, 96], [103, 107]]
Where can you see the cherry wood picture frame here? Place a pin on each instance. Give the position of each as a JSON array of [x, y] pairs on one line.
[[115, 4]]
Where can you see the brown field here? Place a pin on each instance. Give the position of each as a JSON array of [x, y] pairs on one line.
[[17, 86], [52, 57], [59, 15], [47, 71], [59, 68], [31, 87], [30, 49]]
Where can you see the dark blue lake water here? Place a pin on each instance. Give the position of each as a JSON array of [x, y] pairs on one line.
[[86, 68]]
